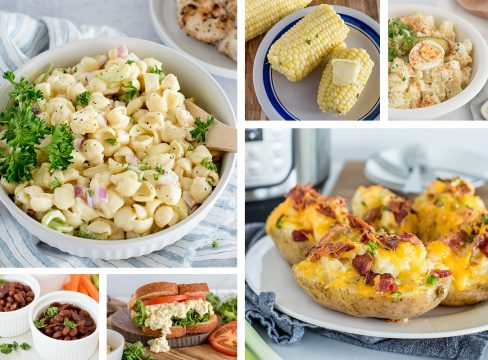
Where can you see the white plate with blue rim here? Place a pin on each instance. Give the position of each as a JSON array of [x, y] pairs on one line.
[[285, 100]]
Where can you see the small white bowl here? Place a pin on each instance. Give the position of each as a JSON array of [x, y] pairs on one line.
[[50, 282], [15, 323], [117, 343], [479, 75], [195, 82], [52, 349]]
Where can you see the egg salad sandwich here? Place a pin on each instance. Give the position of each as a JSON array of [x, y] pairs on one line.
[[167, 310]]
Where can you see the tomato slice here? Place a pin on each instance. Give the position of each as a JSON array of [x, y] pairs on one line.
[[224, 339], [165, 299], [197, 297]]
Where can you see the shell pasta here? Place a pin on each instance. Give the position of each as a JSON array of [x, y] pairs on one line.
[[136, 166]]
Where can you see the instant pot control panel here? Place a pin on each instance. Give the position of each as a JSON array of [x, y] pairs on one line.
[[269, 157]]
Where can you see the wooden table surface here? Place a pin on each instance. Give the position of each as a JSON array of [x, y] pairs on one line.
[[352, 176], [253, 109]]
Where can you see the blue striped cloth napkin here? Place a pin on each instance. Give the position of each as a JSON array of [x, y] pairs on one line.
[[22, 37]]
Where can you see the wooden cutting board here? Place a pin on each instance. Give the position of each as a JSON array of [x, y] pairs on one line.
[[183, 348], [352, 176]]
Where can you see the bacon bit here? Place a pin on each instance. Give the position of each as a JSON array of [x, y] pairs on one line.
[[442, 273], [483, 245], [370, 277], [400, 209], [372, 215], [328, 247], [300, 235], [387, 283], [363, 263], [464, 188], [357, 223], [389, 242], [326, 210], [409, 237], [456, 240], [302, 196]]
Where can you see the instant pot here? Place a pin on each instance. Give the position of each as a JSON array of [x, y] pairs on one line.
[[278, 159]]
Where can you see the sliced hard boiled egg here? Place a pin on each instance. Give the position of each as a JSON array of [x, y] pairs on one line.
[[426, 55], [345, 72], [484, 110]]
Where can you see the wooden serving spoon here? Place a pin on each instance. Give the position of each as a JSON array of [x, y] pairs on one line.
[[219, 136], [477, 7]]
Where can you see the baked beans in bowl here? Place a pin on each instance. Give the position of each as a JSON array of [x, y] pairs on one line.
[[64, 325], [18, 293]]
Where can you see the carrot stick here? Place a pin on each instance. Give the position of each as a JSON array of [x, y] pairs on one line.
[[72, 284], [83, 290], [92, 290]]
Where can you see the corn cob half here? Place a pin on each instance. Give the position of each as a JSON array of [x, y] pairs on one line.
[[301, 49], [341, 98], [261, 15]]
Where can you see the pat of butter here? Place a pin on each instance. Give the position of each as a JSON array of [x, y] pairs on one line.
[[345, 72]]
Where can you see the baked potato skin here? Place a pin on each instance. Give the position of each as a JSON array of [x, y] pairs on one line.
[[349, 301], [470, 296], [291, 251]]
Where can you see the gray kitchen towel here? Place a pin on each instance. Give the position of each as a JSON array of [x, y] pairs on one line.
[[284, 329]]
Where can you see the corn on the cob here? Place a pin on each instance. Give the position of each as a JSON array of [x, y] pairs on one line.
[[341, 98], [298, 52], [261, 15]]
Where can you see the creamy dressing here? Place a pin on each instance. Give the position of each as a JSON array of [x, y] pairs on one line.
[[159, 318]]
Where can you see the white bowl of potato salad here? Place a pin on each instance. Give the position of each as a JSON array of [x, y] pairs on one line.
[[100, 157], [435, 62]]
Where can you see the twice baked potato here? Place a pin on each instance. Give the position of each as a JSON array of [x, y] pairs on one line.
[[444, 206], [382, 208], [465, 253], [302, 219], [361, 272]]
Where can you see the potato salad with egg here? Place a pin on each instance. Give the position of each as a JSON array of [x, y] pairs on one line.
[[105, 149], [427, 64]]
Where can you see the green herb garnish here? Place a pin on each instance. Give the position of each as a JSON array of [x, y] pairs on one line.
[[208, 164], [160, 171], [484, 219], [432, 280], [130, 62], [54, 183], [69, 323], [25, 346], [308, 41], [111, 141], [215, 244], [395, 294], [155, 70], [135, 352], [129, 94], [400, 38], [201, 128], [53, 310], [279, 222], [372, 246], [83, 98]]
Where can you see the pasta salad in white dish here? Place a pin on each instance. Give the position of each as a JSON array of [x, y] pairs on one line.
[[427, 64], [105, 149]]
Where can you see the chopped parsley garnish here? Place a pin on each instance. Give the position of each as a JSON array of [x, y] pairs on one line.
[[130, 62], [308, 41], [111, 141], [432, 280], [52, 311], [155, 70], [372, 246], [8, 348], [215, 244], [55, 183], [135, 351], [400, 38], [83, 98], [69, 323], [201, 128], [129, 94], [160, 171], [208, 164], [24, 132], [279, 222]]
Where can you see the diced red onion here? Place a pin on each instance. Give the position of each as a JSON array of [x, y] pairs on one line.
[[101, 119], [89, 199], [189, 200], [79, 191], [168, 178], [102, 193], [78, 143], [122, 51], [131, 159]]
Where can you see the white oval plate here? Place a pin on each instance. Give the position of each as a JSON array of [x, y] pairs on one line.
[[163, 15], [285, 100], [266, 270], [442, 159]]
